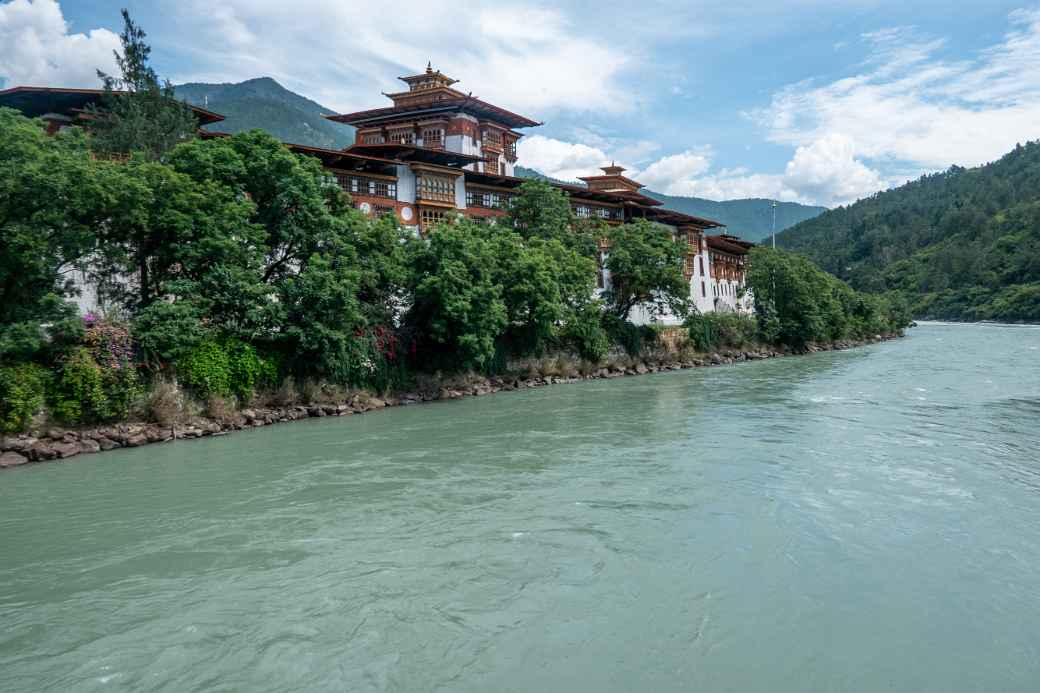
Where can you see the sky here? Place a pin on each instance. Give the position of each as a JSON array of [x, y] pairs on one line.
[[813, 101]]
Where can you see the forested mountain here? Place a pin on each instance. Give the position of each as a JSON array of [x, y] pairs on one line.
[[264, 103], [751, 219], [961, 245]]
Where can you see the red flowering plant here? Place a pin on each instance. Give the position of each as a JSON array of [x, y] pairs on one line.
[[377, 356]]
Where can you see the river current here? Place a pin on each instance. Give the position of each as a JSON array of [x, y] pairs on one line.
[[866, 520]]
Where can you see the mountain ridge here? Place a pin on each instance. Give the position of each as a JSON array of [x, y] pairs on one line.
[[263, 103]]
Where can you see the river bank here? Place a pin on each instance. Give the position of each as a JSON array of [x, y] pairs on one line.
[[54, 443]]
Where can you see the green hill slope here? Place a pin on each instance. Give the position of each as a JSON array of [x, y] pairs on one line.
[[265, 104], [751, 219], [961, 245]]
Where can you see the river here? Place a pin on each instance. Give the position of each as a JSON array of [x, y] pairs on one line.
[[854, 521]]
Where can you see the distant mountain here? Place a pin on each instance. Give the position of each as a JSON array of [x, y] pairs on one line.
[[751, 219], [963, 244], [264, 103]]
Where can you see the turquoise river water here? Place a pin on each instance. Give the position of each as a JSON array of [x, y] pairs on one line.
[[867, 520]]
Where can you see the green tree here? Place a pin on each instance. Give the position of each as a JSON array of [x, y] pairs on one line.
[[138, 113], [173, 237], [541, 210], [457, 314], [53, 197], [646, 268]]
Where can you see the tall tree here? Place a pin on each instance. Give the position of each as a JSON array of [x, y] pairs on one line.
[[646, 268], [138, 112], [52, 197]]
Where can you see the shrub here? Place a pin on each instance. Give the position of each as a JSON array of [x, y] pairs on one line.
[[22, 392], [206, 369], [165, 404], [79, 391], [585, 332], [634, 339], [220, 409], [711, 331], [247, 370]]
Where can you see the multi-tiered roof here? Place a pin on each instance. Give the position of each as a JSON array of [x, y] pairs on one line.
[[431, 93]]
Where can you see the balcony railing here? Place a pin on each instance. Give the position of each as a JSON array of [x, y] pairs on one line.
[[436, 188]]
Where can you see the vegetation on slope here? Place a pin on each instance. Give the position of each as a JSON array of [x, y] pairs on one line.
[[959, 245], [264, 104]]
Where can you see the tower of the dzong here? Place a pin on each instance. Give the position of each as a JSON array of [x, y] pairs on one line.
[[433, 114]]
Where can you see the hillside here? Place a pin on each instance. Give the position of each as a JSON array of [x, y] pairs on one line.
[[960, 245], [751, 219], [265, 104]]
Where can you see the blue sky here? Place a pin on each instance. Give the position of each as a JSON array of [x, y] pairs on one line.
[[818, 102]]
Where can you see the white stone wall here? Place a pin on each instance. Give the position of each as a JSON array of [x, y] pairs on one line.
[[405, 184], [460, 192]]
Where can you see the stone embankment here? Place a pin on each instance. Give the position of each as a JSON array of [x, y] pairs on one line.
[[61, 444]]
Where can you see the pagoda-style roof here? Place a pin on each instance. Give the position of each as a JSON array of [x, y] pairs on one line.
[[38, 101], [428, 80], [673, 218], [467, 104], [414, 153], [727, 243], [612, 177]]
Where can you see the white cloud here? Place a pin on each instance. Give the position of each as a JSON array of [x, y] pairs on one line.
[[667, 173], [908, 105], [532, 60], [825, 172], [828, 172], [37, 49], [559, 159]]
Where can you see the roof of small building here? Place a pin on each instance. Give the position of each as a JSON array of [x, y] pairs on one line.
[[38, 101]]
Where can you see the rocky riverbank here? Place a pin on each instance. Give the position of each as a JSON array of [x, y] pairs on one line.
[[61, 444]]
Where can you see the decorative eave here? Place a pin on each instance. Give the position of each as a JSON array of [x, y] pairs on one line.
[[406, 153], [466, 104], [494, 180], [635, 185], [726, 243]]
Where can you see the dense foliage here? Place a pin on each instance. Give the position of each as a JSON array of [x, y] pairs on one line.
[[963, 244], [797, 303]]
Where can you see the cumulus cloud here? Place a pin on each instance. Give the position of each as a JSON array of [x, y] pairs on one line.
[[908, 105], [36, 47], [824, 172], [559, 159], [667, 173], [533, 60], [828, 172]]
